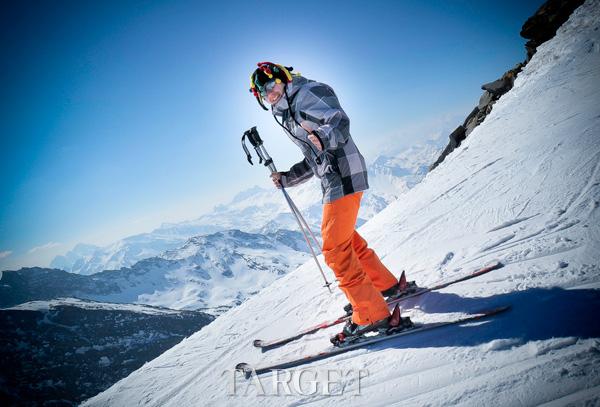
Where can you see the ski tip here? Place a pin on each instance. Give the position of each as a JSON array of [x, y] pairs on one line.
[[264, 346], [245, 368], [491, 266]]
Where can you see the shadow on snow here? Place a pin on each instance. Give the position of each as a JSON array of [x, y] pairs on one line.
[[535, 314]]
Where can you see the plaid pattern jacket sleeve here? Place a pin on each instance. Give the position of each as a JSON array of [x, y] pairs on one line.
[[321, 106], [340, 166], [298, 174], [318, 108]]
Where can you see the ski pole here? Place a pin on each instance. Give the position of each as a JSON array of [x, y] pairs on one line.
[[291, 203], [257, 143]]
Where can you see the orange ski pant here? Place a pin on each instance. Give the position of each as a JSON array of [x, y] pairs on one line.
[[360, 273]]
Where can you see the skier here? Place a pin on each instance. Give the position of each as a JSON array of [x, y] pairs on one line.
[[312, 117]]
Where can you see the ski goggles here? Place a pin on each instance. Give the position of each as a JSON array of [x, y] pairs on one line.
[[266, 88]]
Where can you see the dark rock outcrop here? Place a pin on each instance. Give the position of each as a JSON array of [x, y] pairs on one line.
[[456, 137], [538, 29], [542, 26]]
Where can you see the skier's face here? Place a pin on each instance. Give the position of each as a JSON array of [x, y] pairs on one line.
[[273, 92]]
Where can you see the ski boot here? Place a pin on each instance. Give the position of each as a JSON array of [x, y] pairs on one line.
[[396, 291], [353, 333]]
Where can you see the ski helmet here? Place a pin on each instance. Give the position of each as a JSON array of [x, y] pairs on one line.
[[265, 73]]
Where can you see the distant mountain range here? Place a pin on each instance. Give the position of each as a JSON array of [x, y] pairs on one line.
[[209, 272], [257, 210]]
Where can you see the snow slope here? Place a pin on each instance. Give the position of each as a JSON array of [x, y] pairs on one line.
[[523, 188]]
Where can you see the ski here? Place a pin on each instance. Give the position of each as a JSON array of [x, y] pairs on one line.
[[272, 344], [248, 370]]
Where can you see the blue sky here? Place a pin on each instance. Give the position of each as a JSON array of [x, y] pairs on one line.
[[118, 116]]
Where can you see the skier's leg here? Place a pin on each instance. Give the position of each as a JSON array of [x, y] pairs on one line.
[[381, 277], [339, 219]]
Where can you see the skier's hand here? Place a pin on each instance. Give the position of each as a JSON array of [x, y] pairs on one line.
[[315, 140], [311, 136], [276, 177], [307, 126]]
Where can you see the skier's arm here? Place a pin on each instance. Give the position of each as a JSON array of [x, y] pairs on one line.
[[320, 106], [298, 174]]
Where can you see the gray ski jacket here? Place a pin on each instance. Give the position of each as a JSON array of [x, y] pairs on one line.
[[340, 166]]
